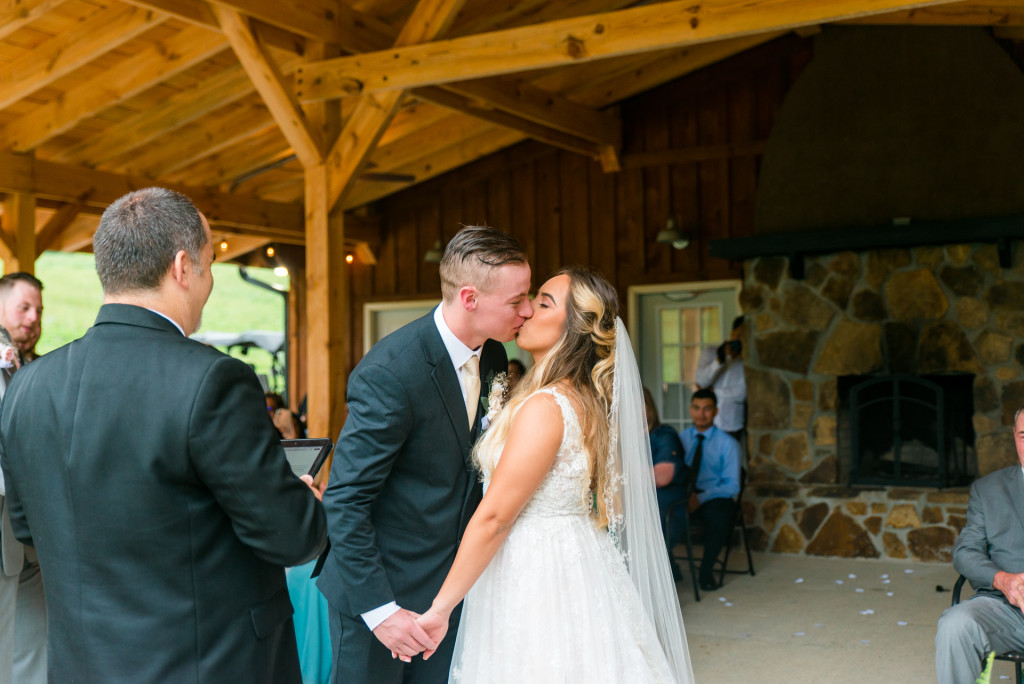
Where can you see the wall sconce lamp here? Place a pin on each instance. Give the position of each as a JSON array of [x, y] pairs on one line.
[[434, 254], [672, 235], [349, 257]]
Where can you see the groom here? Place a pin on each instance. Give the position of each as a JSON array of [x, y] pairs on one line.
[[403, 487]]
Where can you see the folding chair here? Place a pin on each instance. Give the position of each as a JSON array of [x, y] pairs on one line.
[[1015, 657], [740, 522]]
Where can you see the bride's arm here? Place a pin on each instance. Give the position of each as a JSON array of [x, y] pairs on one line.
[[533, 441]]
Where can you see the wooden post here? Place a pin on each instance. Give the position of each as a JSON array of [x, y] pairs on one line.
[[18, 250], [327, 303]]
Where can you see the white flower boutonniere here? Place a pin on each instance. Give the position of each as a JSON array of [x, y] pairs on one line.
[[495, 399]]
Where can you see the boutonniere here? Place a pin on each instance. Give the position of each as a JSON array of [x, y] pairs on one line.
[[497, 392]]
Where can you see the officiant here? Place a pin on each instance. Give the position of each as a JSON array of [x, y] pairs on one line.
[[142, 467]]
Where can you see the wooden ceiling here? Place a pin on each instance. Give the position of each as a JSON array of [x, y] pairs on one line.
[[231, 100]]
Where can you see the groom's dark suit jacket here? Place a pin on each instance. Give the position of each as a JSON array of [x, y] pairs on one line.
[[402, 487], [143, 468]]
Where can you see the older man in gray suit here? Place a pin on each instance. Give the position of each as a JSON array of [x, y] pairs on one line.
[[990, 553]]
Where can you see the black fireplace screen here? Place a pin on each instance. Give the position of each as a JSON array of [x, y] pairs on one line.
[[908, 430]]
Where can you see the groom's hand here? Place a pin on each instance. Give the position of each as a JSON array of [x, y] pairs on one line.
[[403, 635], [436, 626]]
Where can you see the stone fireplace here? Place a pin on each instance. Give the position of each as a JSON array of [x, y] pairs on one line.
[[948, 312], [888, 220]]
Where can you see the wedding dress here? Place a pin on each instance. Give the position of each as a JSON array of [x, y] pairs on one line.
[[556, 604]]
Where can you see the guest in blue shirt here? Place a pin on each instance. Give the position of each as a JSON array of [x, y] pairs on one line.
[[669, 469], [718, 480]]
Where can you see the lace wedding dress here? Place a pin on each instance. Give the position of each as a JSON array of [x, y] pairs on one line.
[[556, 604]]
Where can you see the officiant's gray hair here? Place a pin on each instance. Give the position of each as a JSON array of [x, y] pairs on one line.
[[140, 233], [473, 255]]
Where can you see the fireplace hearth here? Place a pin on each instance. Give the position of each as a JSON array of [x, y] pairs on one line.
[[906, 430]]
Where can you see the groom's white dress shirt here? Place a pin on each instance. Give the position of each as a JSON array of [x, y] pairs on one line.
[[459, 354]]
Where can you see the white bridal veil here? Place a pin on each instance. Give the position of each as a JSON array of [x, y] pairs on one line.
[[632, 505]]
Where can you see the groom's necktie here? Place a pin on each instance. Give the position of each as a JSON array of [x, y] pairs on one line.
[[471, 374]]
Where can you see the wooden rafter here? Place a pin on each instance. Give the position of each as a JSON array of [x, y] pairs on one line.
[[372, 114], [55, 226], [62, 54], [999, 13], [440, 161], [66, 183], [572, 41], [268, 81], [549, 109], [174, 55], [485, 111], [198, 13], [219, 131], [14, 15]]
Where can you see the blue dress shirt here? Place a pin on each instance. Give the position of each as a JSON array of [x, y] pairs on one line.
[[719, 475]]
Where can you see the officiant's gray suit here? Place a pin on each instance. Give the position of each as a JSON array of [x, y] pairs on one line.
[[143, 468], [992, 540], [402, 489]]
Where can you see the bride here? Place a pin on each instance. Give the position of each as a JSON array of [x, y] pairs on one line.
[[563, 566]]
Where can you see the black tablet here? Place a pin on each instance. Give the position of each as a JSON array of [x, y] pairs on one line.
[[306, 456]]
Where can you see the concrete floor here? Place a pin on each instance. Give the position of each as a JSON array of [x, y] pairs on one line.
[[795, 622]]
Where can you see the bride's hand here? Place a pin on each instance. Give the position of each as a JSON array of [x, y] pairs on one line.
[[435, 624]]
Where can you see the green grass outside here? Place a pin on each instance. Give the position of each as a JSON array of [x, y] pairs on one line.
[[72, 296]]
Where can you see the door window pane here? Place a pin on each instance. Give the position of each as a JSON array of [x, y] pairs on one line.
[[670, 326]]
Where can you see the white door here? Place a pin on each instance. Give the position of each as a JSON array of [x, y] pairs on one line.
[[675, 324]]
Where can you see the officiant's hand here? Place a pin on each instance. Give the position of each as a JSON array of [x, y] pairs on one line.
[[403, 635], [435, 624], [318, 489]]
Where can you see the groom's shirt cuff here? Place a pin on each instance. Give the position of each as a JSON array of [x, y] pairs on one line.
[[374, 617]]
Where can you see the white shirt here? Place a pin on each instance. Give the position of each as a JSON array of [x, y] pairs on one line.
[[182, 331], [459, 354], [730, 388]]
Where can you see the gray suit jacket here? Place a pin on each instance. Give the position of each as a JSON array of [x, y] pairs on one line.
[[993, 538], [402, 486], [143, 468]]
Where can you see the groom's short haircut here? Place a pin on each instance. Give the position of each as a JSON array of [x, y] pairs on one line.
[[138, 236], [473, 255]]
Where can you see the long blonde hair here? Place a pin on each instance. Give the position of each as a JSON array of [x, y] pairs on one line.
[[584, 357]]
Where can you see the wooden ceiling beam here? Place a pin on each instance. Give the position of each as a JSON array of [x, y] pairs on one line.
[[181, 109], [66, 183], [572, 41], [437, 163], [327, 21], [198, 13], [268, 81], [372, 114], [59, 56], [17, 13], [991, 13], [199, 140], [59, 221], [108, 88], [601, 90], [547, 109], [501, 117]]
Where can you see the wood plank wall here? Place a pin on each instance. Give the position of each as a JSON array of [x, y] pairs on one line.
[[566, 210]]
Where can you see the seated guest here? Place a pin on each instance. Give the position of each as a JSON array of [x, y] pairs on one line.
[[718, 480], [669, 472], [516, 371], [989, 553]]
